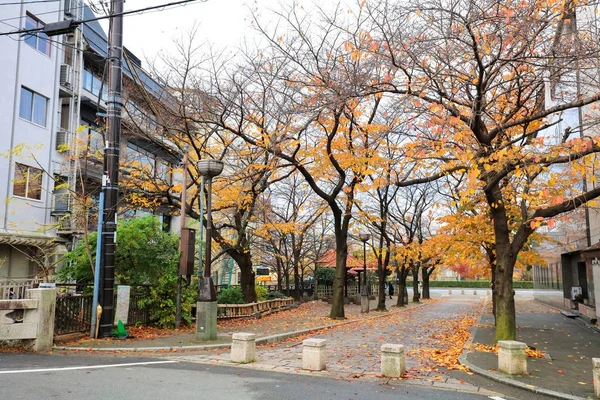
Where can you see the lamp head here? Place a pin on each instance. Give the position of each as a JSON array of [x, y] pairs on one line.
[[210, 168], [364, 237]]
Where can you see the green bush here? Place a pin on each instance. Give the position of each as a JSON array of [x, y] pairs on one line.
[[231, 295], [473, 284], [275, 295], [261, 292], [161, 302], [325, 276]]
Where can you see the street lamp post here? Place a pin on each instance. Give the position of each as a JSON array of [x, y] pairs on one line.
[[206, 308], [364, 298]]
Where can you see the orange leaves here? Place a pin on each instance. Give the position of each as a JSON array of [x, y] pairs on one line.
[[451, 337]]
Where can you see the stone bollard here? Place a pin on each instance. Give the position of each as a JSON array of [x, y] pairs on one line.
[[243, 348], [123, 296], [596, 372], [511, 357], [43, 317], [450, 291], [314, 354], [475, 292], [393, 364], [462, 291]]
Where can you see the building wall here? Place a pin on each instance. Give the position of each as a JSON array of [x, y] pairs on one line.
[[23, 141]]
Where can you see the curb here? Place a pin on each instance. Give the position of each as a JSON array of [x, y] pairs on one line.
[[280, 337], [502, 379]]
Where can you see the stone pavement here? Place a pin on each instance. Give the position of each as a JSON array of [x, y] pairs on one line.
[[353, 350], [569, 345], [308, 316]]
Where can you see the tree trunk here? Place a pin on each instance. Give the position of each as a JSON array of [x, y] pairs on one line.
[[287, 281], [427, 271], [506, 258], [402, 274], [381, 284], [246, 278], [297, 283], [416, 294], [279, 273], [337, 306], [505, 300]]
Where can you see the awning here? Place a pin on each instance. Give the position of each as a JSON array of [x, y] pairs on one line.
[[27, 239]]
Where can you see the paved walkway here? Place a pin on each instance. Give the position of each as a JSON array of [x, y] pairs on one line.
[[569, 345], [353, 350], [311, 315]]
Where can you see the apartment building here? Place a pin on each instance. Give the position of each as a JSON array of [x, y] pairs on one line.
[[52, 109]]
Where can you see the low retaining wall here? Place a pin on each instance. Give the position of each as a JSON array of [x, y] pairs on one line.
[[30, 319]]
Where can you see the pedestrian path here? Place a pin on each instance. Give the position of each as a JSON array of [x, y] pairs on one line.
[[353, 350], [568, 345]]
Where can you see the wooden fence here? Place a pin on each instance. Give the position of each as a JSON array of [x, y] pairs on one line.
[[15, 288], [225, 311], [327, 291]]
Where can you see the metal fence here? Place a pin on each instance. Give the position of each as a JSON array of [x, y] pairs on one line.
[[73, 314], [137, 314]]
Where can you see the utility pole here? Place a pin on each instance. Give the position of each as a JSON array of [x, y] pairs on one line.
[[110, 177]]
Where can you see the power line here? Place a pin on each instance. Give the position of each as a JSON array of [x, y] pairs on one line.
[[140, 10], [28, 2], [42, 13]]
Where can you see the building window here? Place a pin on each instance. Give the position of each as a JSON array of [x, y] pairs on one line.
[[33, 106], [38, 40], [92, 84], [27, 182], [147, 164]]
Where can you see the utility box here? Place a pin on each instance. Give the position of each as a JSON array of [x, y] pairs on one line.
[[188, 250]]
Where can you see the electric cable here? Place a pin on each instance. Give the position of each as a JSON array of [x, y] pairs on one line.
[[140, 10]]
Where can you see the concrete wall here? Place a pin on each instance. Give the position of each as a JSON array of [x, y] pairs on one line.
[[23, 65]]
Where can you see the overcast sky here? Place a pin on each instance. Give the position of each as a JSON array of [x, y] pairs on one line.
[[222, 23]]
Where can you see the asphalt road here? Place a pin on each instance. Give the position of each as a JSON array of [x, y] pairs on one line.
[[30, 376]]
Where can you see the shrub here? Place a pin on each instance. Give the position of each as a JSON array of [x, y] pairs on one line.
[[231, 295], [275, 295], [261, 292], [325, 276], [474, 284]]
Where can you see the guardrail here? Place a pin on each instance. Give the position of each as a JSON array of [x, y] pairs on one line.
[[225, 311]]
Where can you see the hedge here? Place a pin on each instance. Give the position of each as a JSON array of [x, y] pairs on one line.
[[474, 284]]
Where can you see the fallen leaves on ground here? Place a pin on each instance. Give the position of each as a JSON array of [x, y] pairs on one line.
[[451, 338]]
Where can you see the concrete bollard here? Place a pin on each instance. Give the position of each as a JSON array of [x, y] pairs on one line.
[[475, 292], [43, 317], [511, 357], [243, 348], [393, 363], [596, 372], [450, 291], [123, 297], [462, 291], [314, 354]]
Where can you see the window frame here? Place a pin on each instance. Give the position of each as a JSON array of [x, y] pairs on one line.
[[30, 115], [29, 172], [38, 37]]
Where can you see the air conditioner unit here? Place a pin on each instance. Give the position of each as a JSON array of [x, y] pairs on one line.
[[62, 141], [65, 75]]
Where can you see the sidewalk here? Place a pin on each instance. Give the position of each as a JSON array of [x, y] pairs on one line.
[[311, 316], [568, 344]]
